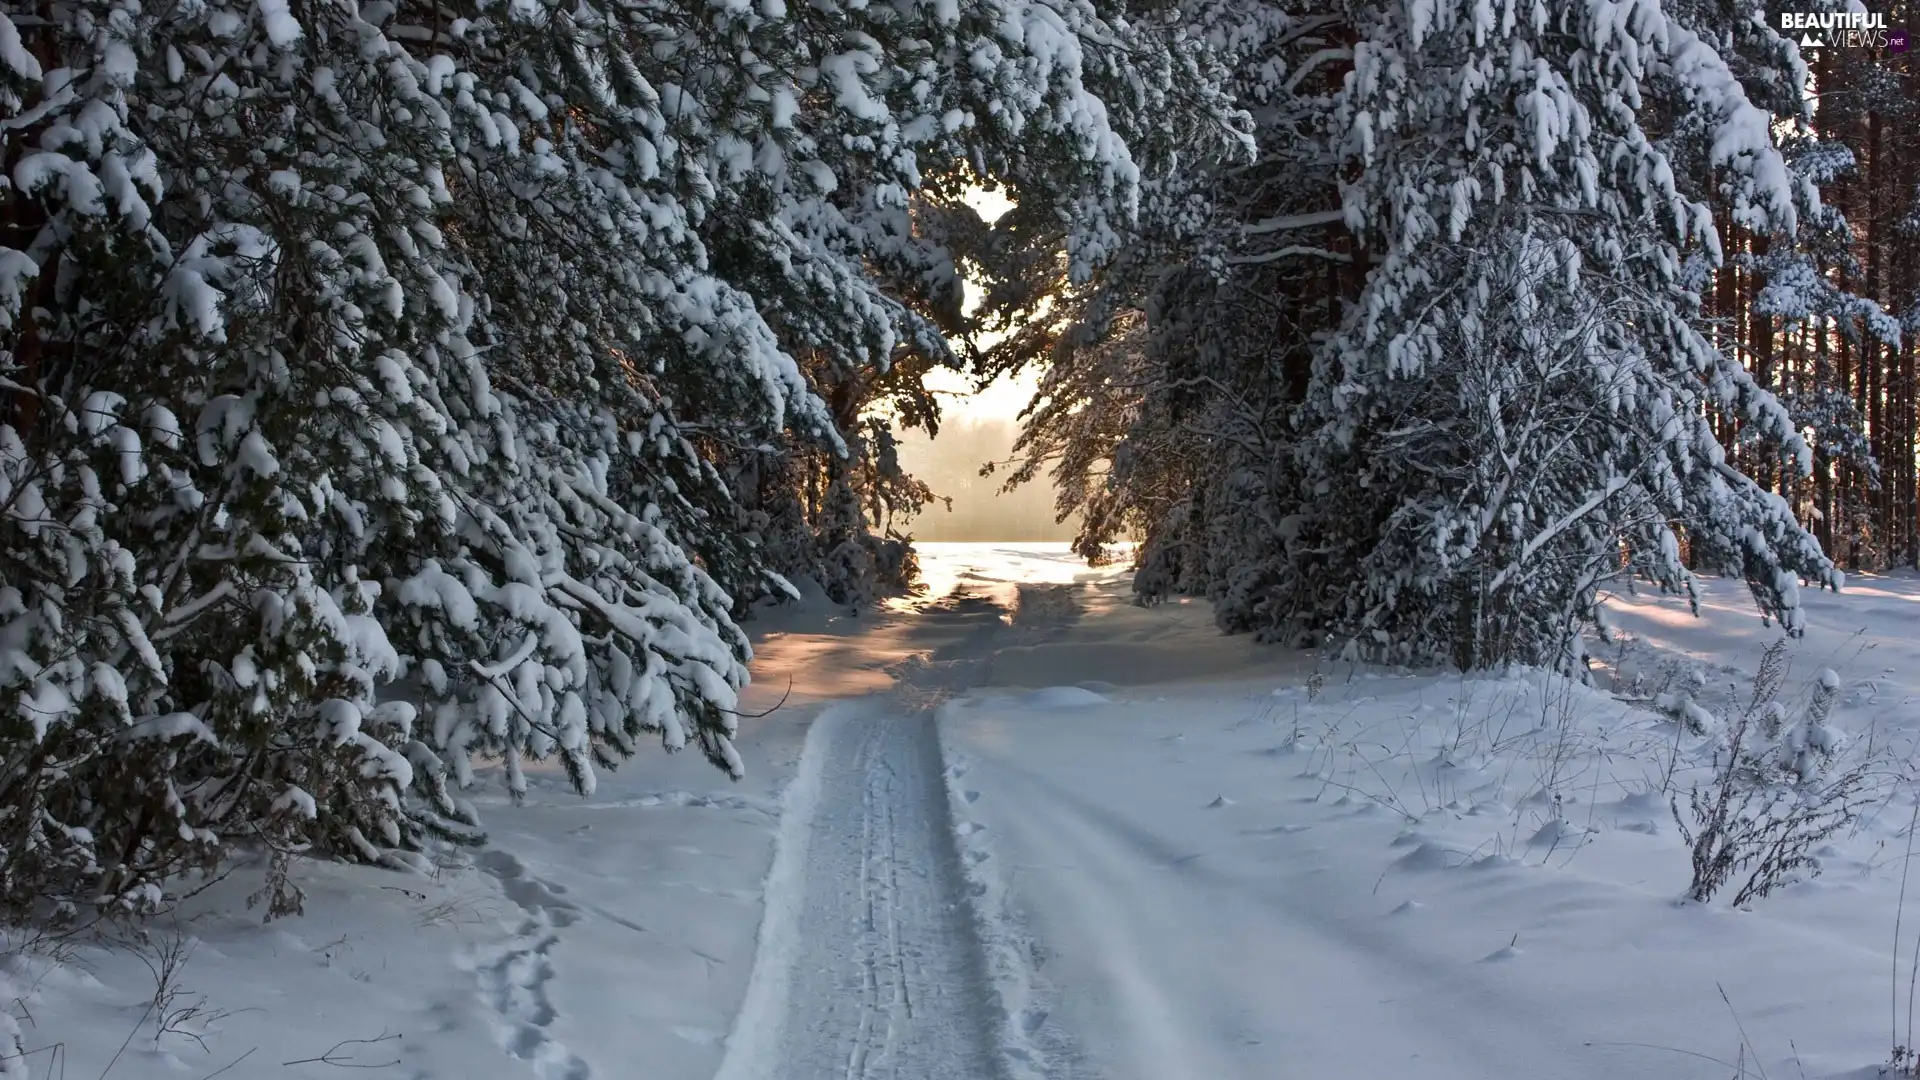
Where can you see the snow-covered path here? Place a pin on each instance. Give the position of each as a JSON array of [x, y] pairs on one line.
[[1236, 875], [869, 964], [886, 981], [1060, 904], [1164, 855]]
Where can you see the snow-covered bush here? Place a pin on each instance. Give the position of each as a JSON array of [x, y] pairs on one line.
[[370, 373], [1776, 792]]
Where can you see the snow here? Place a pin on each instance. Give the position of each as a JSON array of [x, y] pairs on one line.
[[14, 54], [282, 28], [1016, 825], [753, 1047], [1507, 822], [1063, 697]]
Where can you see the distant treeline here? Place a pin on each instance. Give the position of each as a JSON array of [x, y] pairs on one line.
[[972, 508]]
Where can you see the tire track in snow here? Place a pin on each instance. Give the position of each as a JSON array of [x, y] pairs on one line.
[[1190, 1000], [1159, 1032], [1029, 1049]]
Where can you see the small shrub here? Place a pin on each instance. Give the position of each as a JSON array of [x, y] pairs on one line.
[[1774, 795]]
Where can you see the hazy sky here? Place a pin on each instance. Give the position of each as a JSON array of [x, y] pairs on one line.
[[1002, 400], [979, 427]]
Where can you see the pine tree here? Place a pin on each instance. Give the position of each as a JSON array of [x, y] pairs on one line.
[[1445, 373], [1543, 292]]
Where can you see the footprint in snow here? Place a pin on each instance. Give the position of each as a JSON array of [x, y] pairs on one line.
[[513, 976], [443, 1017], [531, 893], [1031, 1020]]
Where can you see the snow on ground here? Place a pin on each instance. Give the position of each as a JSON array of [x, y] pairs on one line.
[[1015, 827], [1248, 876], [591, 932]]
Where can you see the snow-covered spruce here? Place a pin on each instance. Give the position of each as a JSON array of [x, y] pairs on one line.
[[372, 372], [1433, 374]]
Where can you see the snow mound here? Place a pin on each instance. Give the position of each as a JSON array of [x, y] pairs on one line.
[[752, 1047], [1505, 952], [1641, 802], [1064, 697], [1428, 856], [1558, 831]]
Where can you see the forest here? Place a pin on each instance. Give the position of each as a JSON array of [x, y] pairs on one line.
[[387, 385], [1842, 355]]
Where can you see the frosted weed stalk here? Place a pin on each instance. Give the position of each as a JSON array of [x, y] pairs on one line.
[[1905, 1057], [175, 1010], [1316, 685], [1560, 742], [1776, 792]]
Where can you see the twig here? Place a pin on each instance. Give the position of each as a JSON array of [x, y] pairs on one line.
[[1742, 1028], [128, 1041], [332, 1056], [769, 712], [229, 1065], [1899, 913], [1668, 1049]]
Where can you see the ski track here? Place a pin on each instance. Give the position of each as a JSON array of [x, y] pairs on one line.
[[912, 950], [887, 982], [873, 969]]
